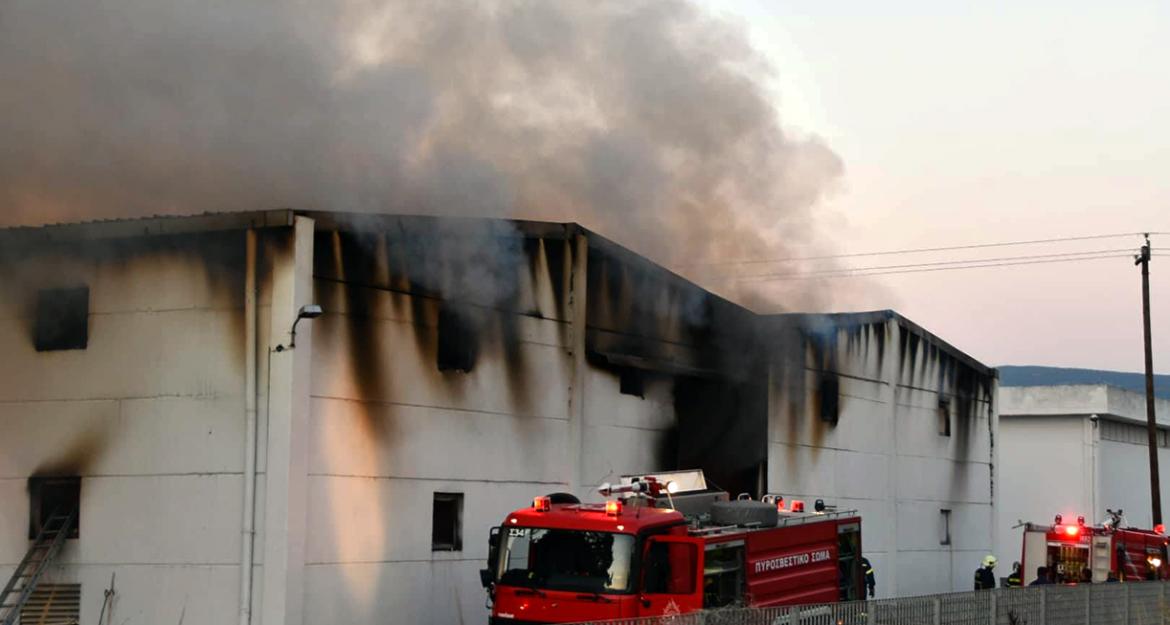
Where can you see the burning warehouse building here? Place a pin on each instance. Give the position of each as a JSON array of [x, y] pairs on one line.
[[233, 452]]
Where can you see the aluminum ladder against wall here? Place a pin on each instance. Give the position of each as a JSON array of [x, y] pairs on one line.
[[44, 549]]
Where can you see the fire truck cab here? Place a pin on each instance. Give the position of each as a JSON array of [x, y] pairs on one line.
[[666, 545], [1107, 552]]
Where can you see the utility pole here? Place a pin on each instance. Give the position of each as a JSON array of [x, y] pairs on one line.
[[1143, 259]]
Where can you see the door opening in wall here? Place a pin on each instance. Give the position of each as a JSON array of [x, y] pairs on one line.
[[50, 496], [830, 397], [457, 343], [447, 522]]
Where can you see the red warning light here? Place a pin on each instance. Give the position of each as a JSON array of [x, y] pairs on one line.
[[542, 504], [1072, 530], [797, 505], [1160, 529], [613, 507]]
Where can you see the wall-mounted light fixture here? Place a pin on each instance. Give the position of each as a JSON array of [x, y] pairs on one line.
[[311, 311]]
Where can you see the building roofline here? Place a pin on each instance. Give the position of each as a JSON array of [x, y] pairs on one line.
[[882, 316], [146, 226], [343, 220], [330, 220]]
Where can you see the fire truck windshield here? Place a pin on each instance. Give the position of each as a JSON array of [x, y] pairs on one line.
[[571, 560]]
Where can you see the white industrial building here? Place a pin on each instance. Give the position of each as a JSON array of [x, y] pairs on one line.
[[227, 470], [1075, 450]]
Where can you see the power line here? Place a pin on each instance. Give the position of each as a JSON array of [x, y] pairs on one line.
[[845, 274], [933, 264], [927, 249]]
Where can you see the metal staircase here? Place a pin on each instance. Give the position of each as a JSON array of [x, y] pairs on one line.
[[45, 548]]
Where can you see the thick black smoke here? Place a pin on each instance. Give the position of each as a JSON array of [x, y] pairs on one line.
[[648, 121]]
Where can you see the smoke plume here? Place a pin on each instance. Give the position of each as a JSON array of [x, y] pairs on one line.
[[649, 121]]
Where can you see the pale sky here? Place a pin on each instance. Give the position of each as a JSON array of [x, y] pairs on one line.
[[982, 122]]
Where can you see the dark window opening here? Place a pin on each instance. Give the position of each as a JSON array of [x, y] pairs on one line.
[[457, 342], [830, 398], [633, 382], [62, 319], [945, 515], [447, 522], [50, 497], [944, 416]]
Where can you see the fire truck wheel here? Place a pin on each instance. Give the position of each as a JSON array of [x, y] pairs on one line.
[[743, 513]]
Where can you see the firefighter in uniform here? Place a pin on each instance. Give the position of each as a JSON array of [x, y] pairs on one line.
[[1015, 580], [870, 583], [985, 575]]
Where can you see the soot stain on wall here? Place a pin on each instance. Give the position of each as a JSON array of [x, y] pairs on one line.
[[27, 268], [420, 265]]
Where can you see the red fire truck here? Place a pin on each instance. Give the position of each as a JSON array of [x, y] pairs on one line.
[[1110, 551], [667, 544]]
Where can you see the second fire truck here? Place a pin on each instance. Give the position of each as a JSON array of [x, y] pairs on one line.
[[1070, 550]]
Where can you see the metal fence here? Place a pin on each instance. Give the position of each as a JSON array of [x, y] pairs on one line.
[[1134, 603]]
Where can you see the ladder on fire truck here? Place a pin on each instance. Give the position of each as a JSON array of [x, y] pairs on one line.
[[51, 537]]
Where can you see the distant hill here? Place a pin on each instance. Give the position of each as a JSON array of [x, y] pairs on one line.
[[1047, 376]]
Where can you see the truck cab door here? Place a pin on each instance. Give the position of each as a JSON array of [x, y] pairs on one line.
[[672, 567]]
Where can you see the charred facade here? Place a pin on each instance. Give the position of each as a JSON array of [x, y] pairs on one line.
[[458, 360]]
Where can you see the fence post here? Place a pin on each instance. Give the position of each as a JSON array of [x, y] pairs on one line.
[[994, 606], [1044, 606], [1125, 600], [936, 604], [1088, 602]]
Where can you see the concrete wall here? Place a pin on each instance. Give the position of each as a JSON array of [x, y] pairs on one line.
[[1046, 467], [885, 457], [150, 415], [388, 429]]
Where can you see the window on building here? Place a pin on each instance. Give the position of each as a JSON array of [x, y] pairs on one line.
[[51, 497], [52, 604], [945, 518], [447, 522], [944, 416], [830, 395], [457, 342], [62, 319], [633, 382]]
